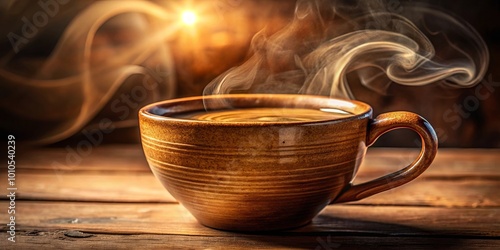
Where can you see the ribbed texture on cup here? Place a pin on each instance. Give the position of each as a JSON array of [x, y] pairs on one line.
[[254, 178]]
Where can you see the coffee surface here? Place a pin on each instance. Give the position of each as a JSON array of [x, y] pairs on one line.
[[266, 115]]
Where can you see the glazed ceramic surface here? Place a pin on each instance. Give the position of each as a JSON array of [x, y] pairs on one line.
[[269, 175]]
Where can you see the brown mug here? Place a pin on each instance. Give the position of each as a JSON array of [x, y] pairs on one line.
[[254, 175]]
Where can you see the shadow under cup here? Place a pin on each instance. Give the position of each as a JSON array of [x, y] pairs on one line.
[[275, 173]]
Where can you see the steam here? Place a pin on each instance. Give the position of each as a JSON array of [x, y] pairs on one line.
[[55, 96], [328, 46], [329, 43]]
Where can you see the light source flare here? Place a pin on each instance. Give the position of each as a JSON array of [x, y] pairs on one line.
[[189, 17]]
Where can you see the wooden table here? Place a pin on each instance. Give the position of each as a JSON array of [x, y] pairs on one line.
[[109, 199]]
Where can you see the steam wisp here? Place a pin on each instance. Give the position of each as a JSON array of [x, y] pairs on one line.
[[327, 41], [55, 96]]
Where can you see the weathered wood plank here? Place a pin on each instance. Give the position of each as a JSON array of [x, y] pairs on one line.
[[442, 193], [61, 239], [455, 204], [143, 187], [149, 218], [116, 157], [449, 162], [450, 182], [83, 186]]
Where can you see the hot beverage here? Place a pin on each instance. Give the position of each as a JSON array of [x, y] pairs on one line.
[[266, 115], [259, 162]]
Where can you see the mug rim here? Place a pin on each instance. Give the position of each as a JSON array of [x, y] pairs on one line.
[[146, 111]]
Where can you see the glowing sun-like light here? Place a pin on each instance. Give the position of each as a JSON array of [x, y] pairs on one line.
[[189, 17]]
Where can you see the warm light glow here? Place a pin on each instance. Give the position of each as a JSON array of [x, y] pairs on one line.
[[189, 17]]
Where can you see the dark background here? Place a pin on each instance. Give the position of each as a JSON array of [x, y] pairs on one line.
[[221, 45]]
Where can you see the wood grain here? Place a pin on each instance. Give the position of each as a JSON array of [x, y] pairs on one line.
[[143, 187], [449, 162], [151, 218], [112, 200], [90, 186], [108, 158], [57, 239], [458, 178]]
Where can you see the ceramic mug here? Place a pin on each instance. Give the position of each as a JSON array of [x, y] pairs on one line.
[[272, 175]]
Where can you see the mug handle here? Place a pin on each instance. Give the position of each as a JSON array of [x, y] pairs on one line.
[[381, 125]]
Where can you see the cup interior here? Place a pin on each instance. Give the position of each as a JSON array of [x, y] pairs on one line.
[[173, 109]]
